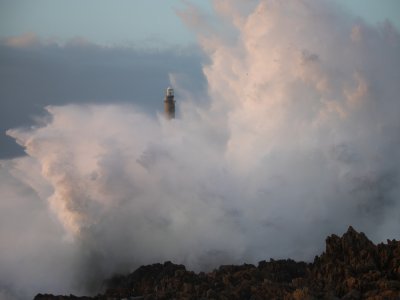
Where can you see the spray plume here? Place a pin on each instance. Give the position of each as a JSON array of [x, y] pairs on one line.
[[298, 139]]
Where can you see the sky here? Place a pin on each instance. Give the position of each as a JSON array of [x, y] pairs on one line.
[[123, 22], [139, 22], [287, 131]]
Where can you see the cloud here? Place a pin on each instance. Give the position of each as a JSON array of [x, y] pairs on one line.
[[296, 139], [25, 40]]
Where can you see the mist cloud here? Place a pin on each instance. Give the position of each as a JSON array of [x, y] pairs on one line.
[[298, 139]]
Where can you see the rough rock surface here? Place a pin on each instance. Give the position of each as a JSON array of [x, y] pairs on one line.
[[351, 267]]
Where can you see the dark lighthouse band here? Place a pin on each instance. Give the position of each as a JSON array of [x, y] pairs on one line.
[[169, 104]]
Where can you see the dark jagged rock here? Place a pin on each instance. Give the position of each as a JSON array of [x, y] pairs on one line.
[[351, 267], [52, 297]]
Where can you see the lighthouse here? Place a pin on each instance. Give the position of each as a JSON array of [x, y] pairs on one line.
[[169, 104]]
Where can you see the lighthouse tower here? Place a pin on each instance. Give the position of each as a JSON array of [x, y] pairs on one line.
[[169, 104]]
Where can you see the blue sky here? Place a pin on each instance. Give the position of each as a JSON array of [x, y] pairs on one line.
[[133, 22], [101, 21]]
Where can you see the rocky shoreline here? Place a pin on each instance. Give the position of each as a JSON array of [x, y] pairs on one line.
[[351, 267]]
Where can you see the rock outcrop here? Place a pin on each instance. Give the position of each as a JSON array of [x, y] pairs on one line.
[[351, 267]]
